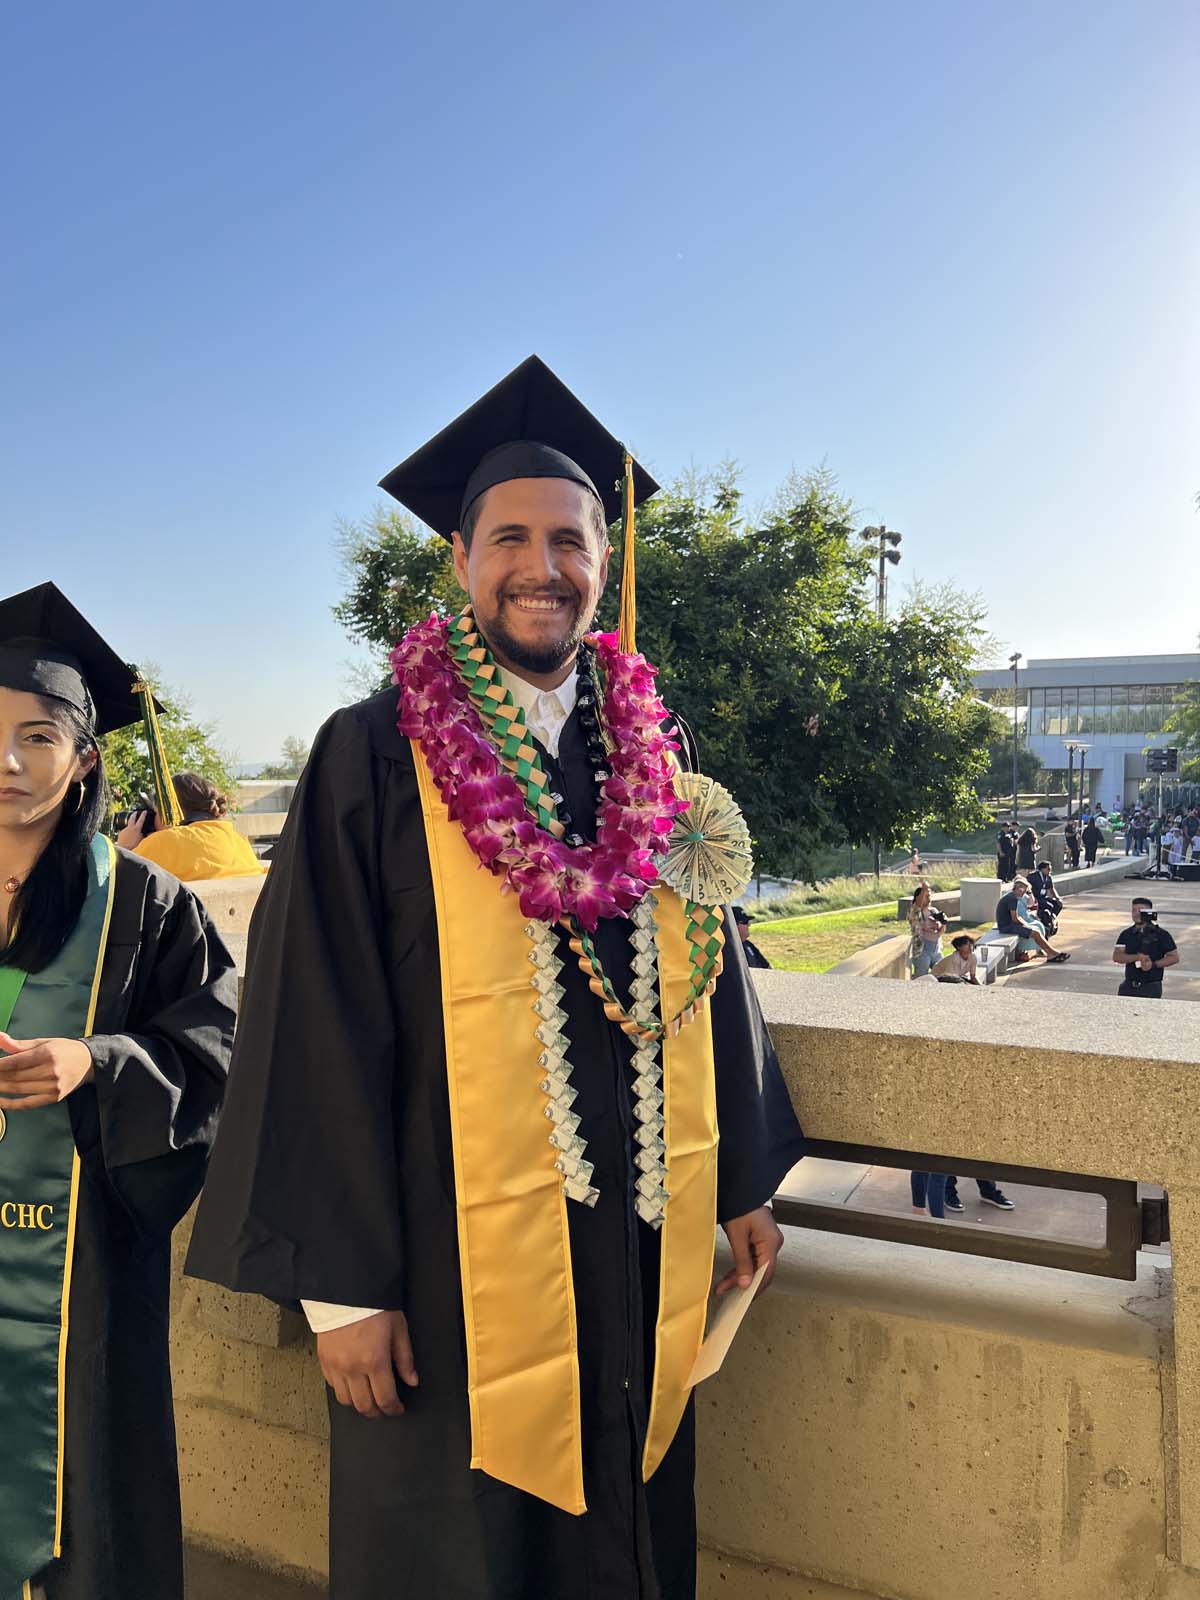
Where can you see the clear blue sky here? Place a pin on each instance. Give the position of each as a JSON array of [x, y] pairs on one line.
[[254, 254]]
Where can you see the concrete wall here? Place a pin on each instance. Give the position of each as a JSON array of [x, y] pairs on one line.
[[906, 1423], [893, 1421], [886, 958]]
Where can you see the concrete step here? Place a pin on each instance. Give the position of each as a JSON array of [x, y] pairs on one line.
[[211, 1575]]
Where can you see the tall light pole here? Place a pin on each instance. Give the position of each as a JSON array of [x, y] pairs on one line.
[[1083, 750], [1071, 749], [1013, 662], [888, 552]]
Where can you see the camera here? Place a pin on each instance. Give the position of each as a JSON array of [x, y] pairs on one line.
[[141, 806], [1148, 919]]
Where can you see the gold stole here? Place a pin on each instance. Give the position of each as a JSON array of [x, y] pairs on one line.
[[513, 1242]]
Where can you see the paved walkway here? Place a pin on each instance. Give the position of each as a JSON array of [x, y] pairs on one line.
[[1088, 928]]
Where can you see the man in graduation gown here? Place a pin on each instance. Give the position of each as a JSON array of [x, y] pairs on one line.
[[113, 1063], [355, 1172]]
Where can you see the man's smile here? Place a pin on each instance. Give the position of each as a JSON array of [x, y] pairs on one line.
[[543, 605]]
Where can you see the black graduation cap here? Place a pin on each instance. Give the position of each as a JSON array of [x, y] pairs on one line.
[[49, 647], [529, 426]]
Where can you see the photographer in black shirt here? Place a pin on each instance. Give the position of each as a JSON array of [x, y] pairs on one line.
[[1144, 950]]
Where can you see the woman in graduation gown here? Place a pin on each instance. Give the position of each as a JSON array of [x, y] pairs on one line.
[[117, 1002]]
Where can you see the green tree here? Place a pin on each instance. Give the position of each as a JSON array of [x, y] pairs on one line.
[[1185, 721], [830, 726], [190, 746], [996, 779], [291, 760], [396, 574]]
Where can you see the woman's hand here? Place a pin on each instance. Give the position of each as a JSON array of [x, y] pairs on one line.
[[134, 831], [41, 1072]]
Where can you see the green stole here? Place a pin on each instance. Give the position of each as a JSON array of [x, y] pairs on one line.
[[39, 1182]]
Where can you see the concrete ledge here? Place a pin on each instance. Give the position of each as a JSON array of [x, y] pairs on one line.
[[886, 958], [259, 824], [230, 902], [726, 1577], [936, 1430], [214, 1574], [1109, 1086]]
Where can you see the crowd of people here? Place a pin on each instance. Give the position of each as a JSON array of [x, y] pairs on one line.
[[1169, 838]]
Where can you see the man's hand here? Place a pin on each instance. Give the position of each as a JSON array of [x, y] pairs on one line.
[[361, 1360], [41, 1072], [754, 1238], [1144, 961]]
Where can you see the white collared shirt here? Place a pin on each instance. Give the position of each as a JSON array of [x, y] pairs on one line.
[[546, 712]]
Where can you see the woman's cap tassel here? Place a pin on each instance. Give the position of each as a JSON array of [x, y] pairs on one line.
[[166, 801], [627, 625]]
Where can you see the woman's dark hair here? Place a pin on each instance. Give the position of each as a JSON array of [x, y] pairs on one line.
[[47, 905], [200, 800]]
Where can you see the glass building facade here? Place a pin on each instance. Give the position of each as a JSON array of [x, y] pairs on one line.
[[1069, 713]]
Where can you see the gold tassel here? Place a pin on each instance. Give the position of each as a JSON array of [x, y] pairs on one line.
[[627, 626]]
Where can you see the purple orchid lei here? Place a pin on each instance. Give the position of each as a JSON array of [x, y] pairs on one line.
[[638, 803]]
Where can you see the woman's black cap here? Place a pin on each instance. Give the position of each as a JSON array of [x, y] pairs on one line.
[[529, 426], [48, 647]]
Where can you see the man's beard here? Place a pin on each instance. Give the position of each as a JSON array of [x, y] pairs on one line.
[[539, 660]]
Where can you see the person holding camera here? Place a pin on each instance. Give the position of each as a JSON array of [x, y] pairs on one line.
[[927, 924], [206, 846], [1145, 951]]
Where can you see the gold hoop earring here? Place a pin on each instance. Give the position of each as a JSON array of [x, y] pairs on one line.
[[79, 802]]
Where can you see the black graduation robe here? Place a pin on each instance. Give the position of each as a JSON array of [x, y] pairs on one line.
[[332, 1180], [160, 1048]]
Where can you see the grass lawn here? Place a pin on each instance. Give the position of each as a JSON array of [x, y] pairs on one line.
[[814, 944], [842, 894]]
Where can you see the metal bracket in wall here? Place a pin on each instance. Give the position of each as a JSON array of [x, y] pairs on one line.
[[1125, 1220]]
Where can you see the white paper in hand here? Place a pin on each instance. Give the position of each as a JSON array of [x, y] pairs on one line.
[[724, 1323]]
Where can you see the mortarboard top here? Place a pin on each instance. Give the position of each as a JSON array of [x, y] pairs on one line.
[[48, 647], [529, 426]]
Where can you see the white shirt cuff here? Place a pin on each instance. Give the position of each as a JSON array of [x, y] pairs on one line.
[[324, 1318]]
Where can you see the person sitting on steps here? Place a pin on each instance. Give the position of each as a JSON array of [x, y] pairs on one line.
[[1013, 918]]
